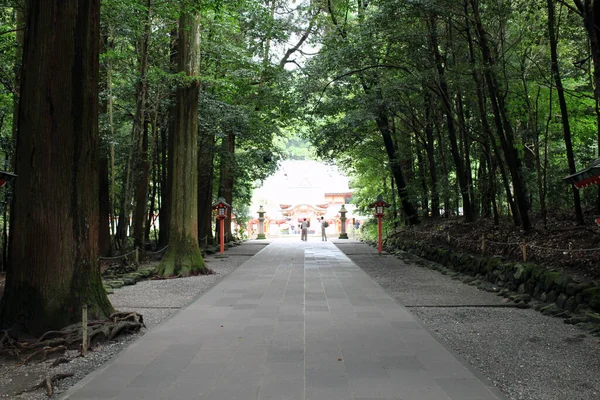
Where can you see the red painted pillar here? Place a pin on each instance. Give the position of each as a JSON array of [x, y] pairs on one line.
[[222, 234], [379, 242]]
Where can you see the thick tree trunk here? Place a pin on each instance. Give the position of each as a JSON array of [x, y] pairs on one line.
[[183, 255], [55, 216], [564, 112], [206, 155]]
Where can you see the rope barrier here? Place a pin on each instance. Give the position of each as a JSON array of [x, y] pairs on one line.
[[156, 252], [117, 257], [484, 242]]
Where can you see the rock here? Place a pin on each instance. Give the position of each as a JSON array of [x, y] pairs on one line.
[[593, 317], [525, 298], [576, 319], [523, 305], [574, 287], [561, 300]]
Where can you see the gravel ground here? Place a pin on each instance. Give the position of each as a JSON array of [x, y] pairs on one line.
[[156, 300], [527, 355]]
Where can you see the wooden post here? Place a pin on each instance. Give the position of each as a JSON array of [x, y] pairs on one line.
[[222, 235], [137, 255], [379, 234], [84, 329], [524, 251], [483, 245]]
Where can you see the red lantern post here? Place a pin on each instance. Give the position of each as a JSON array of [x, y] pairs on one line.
[[221, 206], [379, 207]]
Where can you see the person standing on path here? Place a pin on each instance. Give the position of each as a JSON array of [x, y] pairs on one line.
[[304, 228], [324, 224]]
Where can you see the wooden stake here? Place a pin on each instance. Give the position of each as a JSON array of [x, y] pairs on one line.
[[524, 251], [137, 256], [483, 245], [84, 330]]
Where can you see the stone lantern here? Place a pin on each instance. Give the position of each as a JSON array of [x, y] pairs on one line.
[[343, 211], [261, 223]]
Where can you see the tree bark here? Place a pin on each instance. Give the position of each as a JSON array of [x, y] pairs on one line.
[[206, 155], [141, 192], [55, 215], [183, 255]]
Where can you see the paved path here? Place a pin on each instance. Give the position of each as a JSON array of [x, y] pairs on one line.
[[298, 321]]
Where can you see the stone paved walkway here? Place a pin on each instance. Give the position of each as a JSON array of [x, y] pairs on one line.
[[298, 321]]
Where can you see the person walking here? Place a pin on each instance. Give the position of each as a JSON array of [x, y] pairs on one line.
[[324, 224], [304, 228]]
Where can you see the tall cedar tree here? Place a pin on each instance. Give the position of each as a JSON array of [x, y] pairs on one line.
[[54, 247], [183, 255]]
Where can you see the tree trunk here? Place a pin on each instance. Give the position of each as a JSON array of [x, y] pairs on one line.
[[104, 245], [226, 179], [435, 197], [183, 255], [503, 125], [133, 175], [206, 155], [445, 97], [55, 216], [564, 113], [485, 125], [383, 123], [167, 152], [141, 192]]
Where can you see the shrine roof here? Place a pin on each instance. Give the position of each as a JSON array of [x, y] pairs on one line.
[[585, 177]]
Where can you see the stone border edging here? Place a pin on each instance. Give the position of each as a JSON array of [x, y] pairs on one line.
[[551, 292]]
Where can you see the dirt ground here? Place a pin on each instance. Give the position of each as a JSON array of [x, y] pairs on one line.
[[561, 244]]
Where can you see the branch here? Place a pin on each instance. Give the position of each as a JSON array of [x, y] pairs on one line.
[[11, 31], [303, 38]]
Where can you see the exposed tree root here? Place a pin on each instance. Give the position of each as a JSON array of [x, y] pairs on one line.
[[58, 342], [47, 383]]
